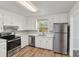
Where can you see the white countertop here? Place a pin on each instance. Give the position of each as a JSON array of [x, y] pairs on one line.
[[2, 40], [36, 34], [47, 35]]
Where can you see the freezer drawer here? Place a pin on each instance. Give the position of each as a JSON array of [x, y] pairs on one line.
[[60, 44]]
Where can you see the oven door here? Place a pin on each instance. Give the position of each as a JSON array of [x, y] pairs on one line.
[[13, 44]]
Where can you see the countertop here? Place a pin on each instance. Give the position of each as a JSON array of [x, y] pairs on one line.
[[45, 36], [2, 40]]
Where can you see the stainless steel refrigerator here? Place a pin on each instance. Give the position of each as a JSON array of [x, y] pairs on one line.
[[60, 37]]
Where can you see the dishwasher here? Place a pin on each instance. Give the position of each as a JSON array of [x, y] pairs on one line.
[[31, 40]]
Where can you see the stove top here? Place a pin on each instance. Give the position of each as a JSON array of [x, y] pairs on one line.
[[11, 37]]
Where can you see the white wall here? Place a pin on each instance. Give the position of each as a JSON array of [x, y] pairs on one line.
[[74, 28]]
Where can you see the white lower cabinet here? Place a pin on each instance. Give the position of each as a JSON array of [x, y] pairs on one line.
[[49, 43], [37, 41], [3, 49], [44, 42], [24, 40]]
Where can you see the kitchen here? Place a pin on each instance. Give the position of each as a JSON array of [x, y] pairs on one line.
[[47, 29]]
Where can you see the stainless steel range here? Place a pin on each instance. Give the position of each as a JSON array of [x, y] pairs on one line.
[[13, 43]]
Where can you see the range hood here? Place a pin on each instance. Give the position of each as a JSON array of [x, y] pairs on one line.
[[8, 28]]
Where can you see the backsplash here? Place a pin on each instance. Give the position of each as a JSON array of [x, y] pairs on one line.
[[26, 32], [33, 32]]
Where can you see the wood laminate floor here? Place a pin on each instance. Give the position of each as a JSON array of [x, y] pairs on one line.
[[37, 52]]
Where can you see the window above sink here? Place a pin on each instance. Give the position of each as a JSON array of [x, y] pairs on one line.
[[43, 26]]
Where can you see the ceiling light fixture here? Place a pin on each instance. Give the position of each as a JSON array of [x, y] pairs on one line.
[[28, 5]]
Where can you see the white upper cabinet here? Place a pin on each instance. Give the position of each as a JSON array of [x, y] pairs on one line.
[[1, 23], [11, 19], [31, 23], [25, 25], [15, 20], [22, 25], [8, 19]]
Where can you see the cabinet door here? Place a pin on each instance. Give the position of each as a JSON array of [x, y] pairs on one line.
[[25, 26], [1, 23], [38, 42], [24, 41], [3, 49], [21, 24], [31, 25], [15, 21], [23, 44], [1, 27], [11, 20], [49, 43], [8, 20], [43, 42]]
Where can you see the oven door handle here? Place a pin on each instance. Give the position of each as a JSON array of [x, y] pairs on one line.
[[14, 40]]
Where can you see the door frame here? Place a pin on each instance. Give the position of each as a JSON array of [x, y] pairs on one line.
[[71, 31]]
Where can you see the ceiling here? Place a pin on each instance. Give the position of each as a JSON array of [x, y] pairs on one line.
[[44, 7]]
